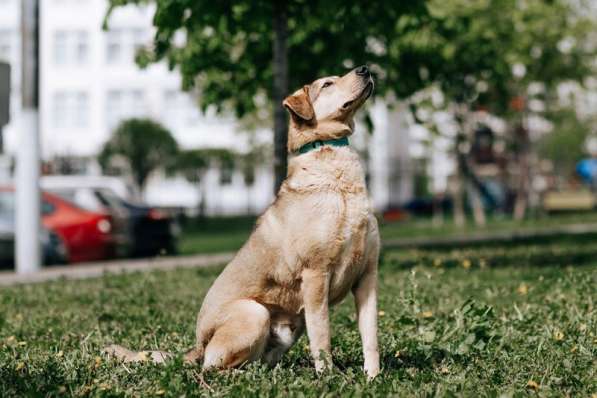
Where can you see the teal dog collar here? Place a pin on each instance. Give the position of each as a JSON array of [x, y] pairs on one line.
[[319, 143]]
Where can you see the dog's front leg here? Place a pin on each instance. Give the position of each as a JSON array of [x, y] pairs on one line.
[[315, 290], [365, 293]]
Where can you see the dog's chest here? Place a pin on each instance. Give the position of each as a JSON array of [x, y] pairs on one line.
[[354, 234]]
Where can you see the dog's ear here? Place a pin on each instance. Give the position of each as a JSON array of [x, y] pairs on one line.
[[299, 105]]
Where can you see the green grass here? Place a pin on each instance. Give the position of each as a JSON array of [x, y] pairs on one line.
[[215, 235], [449, 325]]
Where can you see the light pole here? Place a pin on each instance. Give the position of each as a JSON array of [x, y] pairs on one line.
[[28, 251]]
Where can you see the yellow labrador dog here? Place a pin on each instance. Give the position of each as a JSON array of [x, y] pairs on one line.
[[318, 241]]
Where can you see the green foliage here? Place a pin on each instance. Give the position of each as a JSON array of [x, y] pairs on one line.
[[491, 50], [565, 144], [193, 163], [228, 52], [443, 332], [141, 146]]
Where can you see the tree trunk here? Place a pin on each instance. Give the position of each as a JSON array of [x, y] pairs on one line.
[[522, 192], [280, 68], [458, 198]]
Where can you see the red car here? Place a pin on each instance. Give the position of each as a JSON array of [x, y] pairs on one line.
[[86, 235]]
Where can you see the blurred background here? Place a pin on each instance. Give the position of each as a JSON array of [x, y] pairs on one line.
[[161, 128]]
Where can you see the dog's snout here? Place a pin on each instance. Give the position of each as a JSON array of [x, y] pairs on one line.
[[362, 71]]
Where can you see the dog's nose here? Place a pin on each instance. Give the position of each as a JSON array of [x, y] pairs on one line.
[[362, 71]]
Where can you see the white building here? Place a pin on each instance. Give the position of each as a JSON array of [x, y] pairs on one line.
[[89, 82]]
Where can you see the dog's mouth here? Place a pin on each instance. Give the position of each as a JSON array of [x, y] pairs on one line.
[[362, 97]]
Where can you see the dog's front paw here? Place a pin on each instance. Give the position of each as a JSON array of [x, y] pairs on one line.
[[372, 372], [323, 364], [371, 365]]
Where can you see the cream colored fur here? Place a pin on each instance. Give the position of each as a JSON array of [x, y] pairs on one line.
[[316, 243]]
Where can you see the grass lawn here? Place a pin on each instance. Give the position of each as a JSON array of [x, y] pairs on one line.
[[450, 324], [228, 234]]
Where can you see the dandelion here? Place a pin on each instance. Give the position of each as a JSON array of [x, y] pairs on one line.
[[466, 264], [381, 313], [523, 289], [437, 262], [20, 366], [427, 314], [98, 362], [532, 385], [558, 335]]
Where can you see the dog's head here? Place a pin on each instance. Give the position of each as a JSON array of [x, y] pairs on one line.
[[325, 108]]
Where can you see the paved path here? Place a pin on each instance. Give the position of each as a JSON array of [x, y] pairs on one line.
[[91, 270]]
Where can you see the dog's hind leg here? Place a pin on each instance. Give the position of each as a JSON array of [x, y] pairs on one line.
[[241, 338]]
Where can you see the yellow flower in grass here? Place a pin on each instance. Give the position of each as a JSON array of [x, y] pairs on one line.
[[466, 264], [381, 313], [558, 335], [523, 289], [533, 385], [427, 314], [20, 366]]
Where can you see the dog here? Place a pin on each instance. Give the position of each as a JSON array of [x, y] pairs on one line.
[[317, 242]]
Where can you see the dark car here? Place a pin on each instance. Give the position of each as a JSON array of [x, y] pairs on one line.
[[153, 230]]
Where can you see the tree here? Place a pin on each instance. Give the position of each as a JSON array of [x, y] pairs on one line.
[[141, 146], [194, 163], [242, 54], [492, 52]]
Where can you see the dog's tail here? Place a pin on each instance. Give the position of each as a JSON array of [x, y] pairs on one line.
[[124, 354]]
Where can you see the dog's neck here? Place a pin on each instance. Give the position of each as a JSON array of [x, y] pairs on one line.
[[327, 168], [321, 131]]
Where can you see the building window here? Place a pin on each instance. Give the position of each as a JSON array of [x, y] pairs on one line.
[[113, 49], [82, 47], [70, 109], [124, 104], [180, 109], [71, 47], [122, 44], [5, 45]]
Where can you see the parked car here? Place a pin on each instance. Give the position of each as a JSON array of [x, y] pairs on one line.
[[86, 235], [140, 230], [53, 248]]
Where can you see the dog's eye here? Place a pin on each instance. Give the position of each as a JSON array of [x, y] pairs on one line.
[[326, 84]]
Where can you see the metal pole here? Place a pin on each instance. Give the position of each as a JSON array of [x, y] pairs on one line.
[[28, 253]]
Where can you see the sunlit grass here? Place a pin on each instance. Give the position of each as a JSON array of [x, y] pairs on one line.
[[445, 327]]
